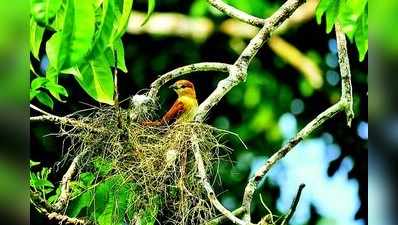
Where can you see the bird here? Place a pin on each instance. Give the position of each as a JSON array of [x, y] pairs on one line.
[[184, 108]]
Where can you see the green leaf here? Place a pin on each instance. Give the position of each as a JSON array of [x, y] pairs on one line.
[[332, 14], [102, 194], [108, 24], [37, 83], [151, 8], [102, 166], [56, 90], [52, 199], [44, 11], [44, 99], [107, 216], [121, 61], [110, 55], [36, 36], [52, 74], [361, 35], [124, 18], [321, 9], [55, 54], [33, 94], [69, 46], [79, 203], [87, 178], [114, 21], [349, 16], [96, 79]]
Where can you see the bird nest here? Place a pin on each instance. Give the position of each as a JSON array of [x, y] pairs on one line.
[[155, 165]]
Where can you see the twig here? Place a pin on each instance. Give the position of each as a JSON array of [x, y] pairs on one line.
[[64, 196], [236, 13], [221, 219], [61, 119], [294, 205]]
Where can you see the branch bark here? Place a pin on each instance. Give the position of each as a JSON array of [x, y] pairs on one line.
[[197, 67]]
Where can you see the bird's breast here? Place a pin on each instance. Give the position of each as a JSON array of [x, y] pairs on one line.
[[190, 108]]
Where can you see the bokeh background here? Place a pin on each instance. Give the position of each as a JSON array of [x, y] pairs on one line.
[[293, 78]]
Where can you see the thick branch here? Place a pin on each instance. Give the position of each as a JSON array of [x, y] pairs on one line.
[[198, 67], [236, 13]]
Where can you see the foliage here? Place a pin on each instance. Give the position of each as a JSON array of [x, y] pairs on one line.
[[39, 181], [85, 40], [352, 15]]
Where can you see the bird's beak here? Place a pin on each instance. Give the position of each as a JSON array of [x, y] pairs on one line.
[[173, 86]]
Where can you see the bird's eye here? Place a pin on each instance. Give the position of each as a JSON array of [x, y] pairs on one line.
[[183, 86]]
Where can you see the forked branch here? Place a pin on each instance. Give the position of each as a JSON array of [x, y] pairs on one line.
[[344, 105]]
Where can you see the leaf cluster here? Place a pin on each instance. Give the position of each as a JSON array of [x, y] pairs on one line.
[[84, 41], [352, 15]]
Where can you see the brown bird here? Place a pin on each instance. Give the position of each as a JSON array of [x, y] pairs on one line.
[[183, 109]]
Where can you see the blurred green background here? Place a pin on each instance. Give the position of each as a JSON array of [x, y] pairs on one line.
[[282, 93]]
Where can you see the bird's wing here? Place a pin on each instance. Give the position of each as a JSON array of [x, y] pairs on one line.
[[174, 112]]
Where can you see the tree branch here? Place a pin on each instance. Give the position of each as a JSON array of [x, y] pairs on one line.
[[344, 104], [236, 13], [64, 196], [197, 67], [61, 119], [43, 207]]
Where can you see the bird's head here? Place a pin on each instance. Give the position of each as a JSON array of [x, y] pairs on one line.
[[184, 88]]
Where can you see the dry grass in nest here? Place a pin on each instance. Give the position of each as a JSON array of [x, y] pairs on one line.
[[158, 160]]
